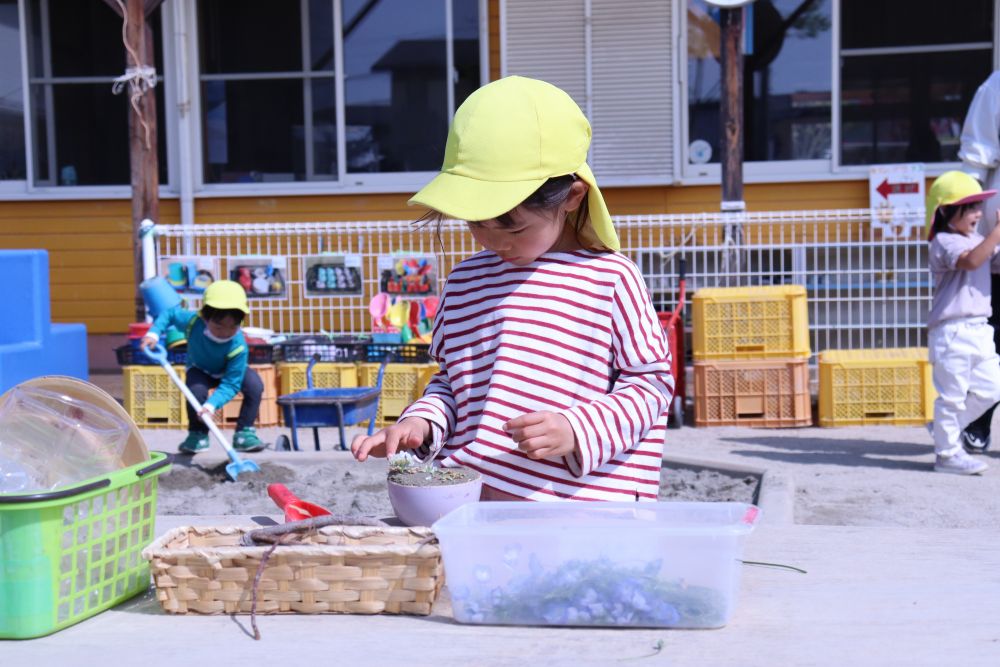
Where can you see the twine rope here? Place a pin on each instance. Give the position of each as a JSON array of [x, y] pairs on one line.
[[139, 79]]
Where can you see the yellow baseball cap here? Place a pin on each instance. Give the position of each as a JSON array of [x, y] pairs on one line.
[[226, 295], [953, 188], [506, 140]]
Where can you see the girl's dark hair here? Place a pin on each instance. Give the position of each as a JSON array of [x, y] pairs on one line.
[[549, 196], [945, 214], [217, 314]]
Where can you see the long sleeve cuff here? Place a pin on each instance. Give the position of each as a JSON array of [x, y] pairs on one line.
[[580, 461]]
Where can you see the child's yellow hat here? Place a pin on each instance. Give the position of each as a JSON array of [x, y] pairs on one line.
[[954, 188], [226, 295], [506, 140]]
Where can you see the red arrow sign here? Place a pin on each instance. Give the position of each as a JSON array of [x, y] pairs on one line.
[[886, 188]]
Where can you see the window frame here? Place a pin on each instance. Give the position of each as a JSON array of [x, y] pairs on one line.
[[30, 188], [179, 28], [790, 171], [344, 182]]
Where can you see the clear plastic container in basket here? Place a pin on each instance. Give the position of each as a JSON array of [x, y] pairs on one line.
[[49, 440], [665, 564]]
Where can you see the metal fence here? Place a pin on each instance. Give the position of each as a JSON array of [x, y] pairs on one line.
[[868, 285]]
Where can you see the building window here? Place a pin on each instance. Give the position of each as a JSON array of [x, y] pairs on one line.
[[786, 76], [268, 70], [12, 160], [396, 94], [907, 78], [267, 90], [80, 132]]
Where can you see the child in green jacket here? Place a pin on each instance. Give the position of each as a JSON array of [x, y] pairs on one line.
[[217, 357]]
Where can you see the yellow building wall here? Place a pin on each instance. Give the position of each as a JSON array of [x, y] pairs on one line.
[[90, 242]]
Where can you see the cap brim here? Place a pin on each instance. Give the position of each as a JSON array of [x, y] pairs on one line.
[[972, 199], [467, 198]]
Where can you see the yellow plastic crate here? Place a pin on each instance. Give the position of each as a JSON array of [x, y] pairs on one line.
[[401, 385], [891, 386], [750, 323], [326, 375], [268, 415], [773, 393], [152, 399]]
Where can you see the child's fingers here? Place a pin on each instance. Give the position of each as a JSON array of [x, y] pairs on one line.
[[362, 445], [539, 448], [529, 419], [534, 431], [393, 439]]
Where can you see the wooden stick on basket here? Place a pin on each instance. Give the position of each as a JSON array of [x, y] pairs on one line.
[[330, 569]]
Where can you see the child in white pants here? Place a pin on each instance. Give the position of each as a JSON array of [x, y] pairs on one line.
[[966, 365]]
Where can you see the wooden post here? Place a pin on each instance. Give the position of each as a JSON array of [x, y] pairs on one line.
[[732, 106], [731, 119], [145, 176]]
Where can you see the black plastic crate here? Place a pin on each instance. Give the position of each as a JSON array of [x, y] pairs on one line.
[[129, 355], [331, 349], [408, 353]]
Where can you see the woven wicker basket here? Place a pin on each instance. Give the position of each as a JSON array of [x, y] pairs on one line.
[[337, 570]]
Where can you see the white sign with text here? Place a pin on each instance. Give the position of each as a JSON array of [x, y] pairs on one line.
[[896, 196]]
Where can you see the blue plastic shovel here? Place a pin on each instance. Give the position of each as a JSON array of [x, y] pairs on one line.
[[238, 465]]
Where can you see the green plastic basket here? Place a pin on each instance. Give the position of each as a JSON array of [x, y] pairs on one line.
[[68, 554]]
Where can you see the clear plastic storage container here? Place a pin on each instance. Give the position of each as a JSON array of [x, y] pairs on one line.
[[668, 564], [50, 439]]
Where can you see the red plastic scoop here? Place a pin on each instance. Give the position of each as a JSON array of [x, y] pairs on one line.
[[295, 509]]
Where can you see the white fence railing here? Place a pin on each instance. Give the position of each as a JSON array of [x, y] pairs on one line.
[[867, 287]]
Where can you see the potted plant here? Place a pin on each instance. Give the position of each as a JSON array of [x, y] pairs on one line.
[[422, 493]]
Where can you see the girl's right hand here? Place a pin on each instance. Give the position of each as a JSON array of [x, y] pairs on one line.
[[407, 433], [147, 341]]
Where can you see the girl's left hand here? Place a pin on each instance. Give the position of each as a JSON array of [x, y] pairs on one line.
[[542, 435]]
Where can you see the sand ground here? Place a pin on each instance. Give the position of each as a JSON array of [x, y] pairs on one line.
[[861, 476]]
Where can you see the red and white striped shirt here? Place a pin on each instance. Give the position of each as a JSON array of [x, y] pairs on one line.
[[551, 336]]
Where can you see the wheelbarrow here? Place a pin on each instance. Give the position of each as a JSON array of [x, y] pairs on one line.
[[318, 408], [673, 325]]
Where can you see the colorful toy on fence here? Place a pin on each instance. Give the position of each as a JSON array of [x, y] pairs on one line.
[[186, 277], [409, 276], [244, 278], [201, 281], [177, 275], [378, 307]]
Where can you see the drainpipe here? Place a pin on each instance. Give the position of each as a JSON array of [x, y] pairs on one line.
[[147, 242], [185, 170], [588, 64]]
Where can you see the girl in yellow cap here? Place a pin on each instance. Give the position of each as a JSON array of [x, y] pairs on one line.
[[555, 373], [217, 357], [966, 365]]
